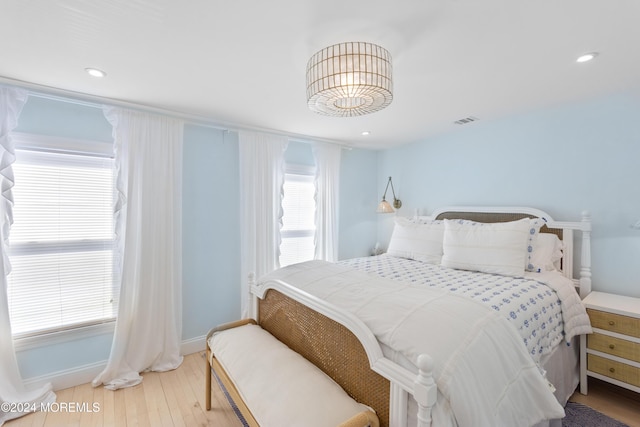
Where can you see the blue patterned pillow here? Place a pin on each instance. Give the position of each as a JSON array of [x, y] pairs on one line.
[[548, 253], [532, 260]]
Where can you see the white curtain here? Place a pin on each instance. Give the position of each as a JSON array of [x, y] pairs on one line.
[[327, 158], [261, 182], [148, 150], [12, 388]]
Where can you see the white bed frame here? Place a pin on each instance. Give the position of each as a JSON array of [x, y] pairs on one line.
[[403, 381]]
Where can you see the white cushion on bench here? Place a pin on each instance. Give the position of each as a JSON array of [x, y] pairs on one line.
[[280, 387]]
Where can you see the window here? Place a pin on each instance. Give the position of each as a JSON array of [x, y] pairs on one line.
[[61, 243], [298, 216]]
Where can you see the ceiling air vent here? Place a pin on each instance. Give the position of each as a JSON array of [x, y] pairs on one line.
[[466, 120]]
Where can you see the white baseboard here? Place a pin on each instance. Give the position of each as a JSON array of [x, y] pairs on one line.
[[85, 374], [68, 377], [193, 345]]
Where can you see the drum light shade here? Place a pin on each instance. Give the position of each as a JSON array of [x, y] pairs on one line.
[[349, 79]]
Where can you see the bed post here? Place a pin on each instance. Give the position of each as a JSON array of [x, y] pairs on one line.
[[585, 289], [585, 259], [425, 390]]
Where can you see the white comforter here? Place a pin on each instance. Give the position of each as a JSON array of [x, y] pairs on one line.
[[544, 307], [482, 368]]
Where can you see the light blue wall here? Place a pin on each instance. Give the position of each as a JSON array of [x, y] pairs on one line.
[[211, 229], [562, 160], [299, 153], [211, 223], [358, 219], [64, 119]]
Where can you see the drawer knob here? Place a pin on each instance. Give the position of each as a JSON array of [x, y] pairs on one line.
[[612, 370], [611, 323], [612, 346]]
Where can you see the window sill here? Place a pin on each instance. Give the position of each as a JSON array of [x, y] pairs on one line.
[[27, 343]]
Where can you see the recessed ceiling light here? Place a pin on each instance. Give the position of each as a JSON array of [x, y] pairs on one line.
[[366, 133], [94, 72], [587, 57]]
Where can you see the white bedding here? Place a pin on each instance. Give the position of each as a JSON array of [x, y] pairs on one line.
[[497, 384], [543, 307]]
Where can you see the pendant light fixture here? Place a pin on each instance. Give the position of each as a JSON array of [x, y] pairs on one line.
[[349, 79]]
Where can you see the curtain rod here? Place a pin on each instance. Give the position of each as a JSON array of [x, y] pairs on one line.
[[94, 101]]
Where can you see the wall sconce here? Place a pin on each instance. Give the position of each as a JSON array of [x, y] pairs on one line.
[[384, 206]]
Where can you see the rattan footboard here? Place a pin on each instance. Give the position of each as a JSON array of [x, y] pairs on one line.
[[328, 345]]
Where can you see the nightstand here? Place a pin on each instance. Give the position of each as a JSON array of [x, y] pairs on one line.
[[612, 352]]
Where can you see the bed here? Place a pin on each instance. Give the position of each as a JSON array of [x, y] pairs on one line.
[[445, 329]]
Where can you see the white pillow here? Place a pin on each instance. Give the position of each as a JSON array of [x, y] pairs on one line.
[[547, 253], [497, 248], [530, 263], [421, 242]]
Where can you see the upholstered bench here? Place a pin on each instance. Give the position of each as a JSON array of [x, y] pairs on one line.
[[274, 386]]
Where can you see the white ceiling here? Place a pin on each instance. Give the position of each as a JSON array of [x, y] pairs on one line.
[[241, 63]]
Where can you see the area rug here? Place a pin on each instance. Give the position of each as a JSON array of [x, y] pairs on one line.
[[579, 415]]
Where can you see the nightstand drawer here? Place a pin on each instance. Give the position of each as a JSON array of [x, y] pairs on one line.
[[624, 325], [615, 346], [612, 369]]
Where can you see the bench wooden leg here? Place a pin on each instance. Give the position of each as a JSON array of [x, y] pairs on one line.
[[207, 374], [208, 380]]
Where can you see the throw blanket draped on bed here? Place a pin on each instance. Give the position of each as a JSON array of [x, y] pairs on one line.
[[481, 364]]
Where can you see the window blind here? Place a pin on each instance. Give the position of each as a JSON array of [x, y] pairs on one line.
[[61, 243], [298, 219]]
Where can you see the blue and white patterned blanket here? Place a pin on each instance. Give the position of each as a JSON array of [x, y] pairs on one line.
[[534, 308]]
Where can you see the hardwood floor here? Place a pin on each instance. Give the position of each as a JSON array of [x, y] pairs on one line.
[[176, 398]]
